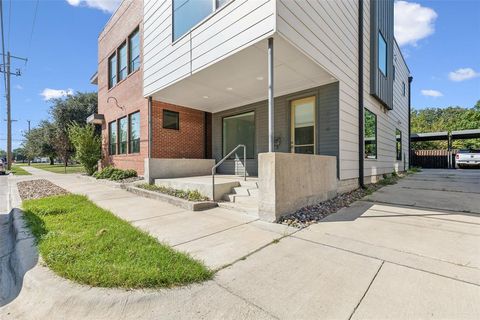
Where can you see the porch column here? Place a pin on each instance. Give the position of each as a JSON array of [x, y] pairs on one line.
[[271, 137]]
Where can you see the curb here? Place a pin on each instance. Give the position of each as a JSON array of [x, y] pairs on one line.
[[182, 203]]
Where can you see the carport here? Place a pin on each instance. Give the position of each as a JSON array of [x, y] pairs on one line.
[[449, 154]]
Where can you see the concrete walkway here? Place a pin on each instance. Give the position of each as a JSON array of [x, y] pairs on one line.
[[411, 250]]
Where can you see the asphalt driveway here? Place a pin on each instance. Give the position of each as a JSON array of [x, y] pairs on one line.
[[408, 251]]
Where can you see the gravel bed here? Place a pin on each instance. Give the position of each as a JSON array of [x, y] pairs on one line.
[[41, 188], [312, 214]]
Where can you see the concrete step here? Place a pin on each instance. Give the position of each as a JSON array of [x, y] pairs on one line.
[[245, 191], [253, 184], [240, 198], [243, 208]]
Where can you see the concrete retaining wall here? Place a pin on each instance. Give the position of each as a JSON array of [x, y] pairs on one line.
[[176, 168], [289, 181]]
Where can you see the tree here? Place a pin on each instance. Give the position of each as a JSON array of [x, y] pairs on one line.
[[88, 145], [3, 154], [446, 119], [40, 142], [19, 154], [66, 111]]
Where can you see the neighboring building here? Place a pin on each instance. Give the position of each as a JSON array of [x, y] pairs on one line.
[[205, 67]]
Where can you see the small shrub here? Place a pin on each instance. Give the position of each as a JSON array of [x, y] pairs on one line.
[[87, 145], [190, 195], [115, 174], [394, 174], [414, 169]]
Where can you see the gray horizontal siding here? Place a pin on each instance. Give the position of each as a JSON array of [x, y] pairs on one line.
[[327, 126]]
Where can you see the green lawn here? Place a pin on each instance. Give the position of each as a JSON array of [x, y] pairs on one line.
[[59, 168], [19, 171], [89, 245]]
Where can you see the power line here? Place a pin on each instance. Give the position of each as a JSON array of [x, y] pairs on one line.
[[31, 32]]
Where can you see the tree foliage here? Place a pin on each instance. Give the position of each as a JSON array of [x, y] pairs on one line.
[[39, 142], [446, 119], [87, 145]]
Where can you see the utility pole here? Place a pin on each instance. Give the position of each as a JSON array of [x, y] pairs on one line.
[[9, 109]]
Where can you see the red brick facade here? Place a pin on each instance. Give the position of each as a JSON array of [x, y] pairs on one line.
[[126, 97]]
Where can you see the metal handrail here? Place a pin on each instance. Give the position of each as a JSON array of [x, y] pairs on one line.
[[214, 168]]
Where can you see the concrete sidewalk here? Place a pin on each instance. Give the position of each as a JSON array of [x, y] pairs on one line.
[[381, 258]]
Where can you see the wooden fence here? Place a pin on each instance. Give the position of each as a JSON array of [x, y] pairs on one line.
[[435, 159]]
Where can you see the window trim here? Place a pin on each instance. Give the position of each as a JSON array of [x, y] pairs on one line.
[[172, 112], [254, 128], [109, 138], [118, 136], [110, 84], [129, 58], [396, 145], [380, 35], [130, 131], [124, 44], [376, 134]]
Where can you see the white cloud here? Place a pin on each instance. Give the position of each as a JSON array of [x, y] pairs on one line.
[[463, 74], [104, 5], [413, 22], [18, 87], [48, 93], [432, 93]]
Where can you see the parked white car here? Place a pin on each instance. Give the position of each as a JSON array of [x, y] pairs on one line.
[[3, 167], [467, 158]]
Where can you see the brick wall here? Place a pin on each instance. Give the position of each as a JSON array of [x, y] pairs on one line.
[[187, 142]]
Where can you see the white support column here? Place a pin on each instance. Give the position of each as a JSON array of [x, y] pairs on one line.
[[271, 109]]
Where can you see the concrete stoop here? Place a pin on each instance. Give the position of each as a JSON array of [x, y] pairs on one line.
[[243, 198]]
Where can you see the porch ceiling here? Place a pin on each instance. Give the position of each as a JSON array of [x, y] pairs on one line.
[[242, 78]]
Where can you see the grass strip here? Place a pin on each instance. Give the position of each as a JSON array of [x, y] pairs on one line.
[[19, 171], [89, 245]]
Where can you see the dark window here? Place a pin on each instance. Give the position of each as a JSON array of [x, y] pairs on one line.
[[112, 70], [404, 88], [187, 13], [112, 140], [134, 51], [122, 62], [370, 135], [394, 73], [382, 54], [122, 135], [239, 129], [398, 138], [134, 133], [171, 120]]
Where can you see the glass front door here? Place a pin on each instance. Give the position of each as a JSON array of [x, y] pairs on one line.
[[303, 125]]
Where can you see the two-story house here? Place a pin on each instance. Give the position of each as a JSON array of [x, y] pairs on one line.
[[317, 91]]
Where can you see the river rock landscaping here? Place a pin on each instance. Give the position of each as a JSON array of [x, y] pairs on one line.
[[37, 189]]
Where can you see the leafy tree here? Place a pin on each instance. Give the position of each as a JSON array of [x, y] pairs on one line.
[[3, 154], [87, 145], [66, 111], [19, 154], [446, 119], [40, 142]]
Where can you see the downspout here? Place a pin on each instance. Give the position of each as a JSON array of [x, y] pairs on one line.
[[410, 79], [150, 138], [361, 151]]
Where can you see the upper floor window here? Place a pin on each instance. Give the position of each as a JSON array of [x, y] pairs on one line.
[[382, 54], [404, 88], [112, 70], [122, 62], [134, 132], [370, 134], [187, 13], [134, 51]]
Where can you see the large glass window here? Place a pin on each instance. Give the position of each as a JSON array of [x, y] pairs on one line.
[[112, 138], [398, 138], [171, 120], [112, 70], [122, 62], [122, 135], [134, 135], [382, 54], [134, 48], [239, 129], [187, 13], [303, 125], [370, 135]]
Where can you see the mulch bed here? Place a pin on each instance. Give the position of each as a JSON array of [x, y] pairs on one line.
[[312, 214], [41, 188]]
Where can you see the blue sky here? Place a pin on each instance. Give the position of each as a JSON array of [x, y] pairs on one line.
[[440, 40]]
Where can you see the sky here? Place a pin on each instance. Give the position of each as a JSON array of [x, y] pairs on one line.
[[440, 40]]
